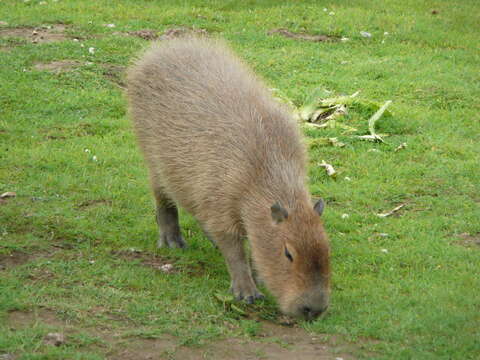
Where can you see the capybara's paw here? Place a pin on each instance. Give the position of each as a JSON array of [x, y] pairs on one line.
[[171, 241], [246, 292]]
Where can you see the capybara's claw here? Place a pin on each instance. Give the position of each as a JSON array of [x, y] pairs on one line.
[[249, 296], [171, 241]]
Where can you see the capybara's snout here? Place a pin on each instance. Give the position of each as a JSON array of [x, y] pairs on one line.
[[309, 305]]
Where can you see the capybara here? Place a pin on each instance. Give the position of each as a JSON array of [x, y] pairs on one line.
[[218, 145]]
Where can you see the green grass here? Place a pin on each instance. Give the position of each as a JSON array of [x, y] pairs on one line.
[[77, 217]]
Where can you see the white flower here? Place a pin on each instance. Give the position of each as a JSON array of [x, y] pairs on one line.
[[365, 34], [384, 251], [91, 50], [94, 158], [331, 13], [345, 216], [344, 39]]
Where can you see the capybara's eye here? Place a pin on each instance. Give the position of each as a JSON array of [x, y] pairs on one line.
[[288, 255]]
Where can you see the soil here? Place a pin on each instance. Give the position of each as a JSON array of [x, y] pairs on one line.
[[57, 66], [469, 240], [147, 259], [273, 342], [45, 34], [301, 36], [16, 258], [172, 33], [182, 31], [92, 203], [116, 74], [144, 34]]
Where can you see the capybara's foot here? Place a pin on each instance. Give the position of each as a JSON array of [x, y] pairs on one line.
[[247, 292], [171, 240]]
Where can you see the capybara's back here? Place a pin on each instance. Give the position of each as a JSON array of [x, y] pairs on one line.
[[220, 147]]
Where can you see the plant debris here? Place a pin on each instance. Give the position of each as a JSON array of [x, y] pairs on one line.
[[55, 339], [228, 303], [371, 124], [329, 169], [333, 141], [322, 110], [320, 106], [307, 37], [8, 194], [401, 146], [391, 212], [166, 268]]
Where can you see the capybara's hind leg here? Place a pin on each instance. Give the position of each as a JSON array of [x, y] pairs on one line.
[[167, 220], [243, 286]]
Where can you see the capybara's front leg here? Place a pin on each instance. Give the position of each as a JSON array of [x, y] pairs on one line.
[[168, 225], [243, 286]]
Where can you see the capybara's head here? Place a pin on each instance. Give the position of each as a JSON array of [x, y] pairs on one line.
[[293, 259]]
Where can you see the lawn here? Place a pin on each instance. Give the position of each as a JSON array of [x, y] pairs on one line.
[[78, 253]]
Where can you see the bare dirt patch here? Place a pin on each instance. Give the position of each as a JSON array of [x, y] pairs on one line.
[[469, 240], [57, 66], [65, 132], [168, 265], [45, 34], [115, 73], [182, 31], [95, 202], [13, 259], [22, 319], [302, 36], [274, 342], [18, 258], [147, 259], [144, 34], [172, 33]]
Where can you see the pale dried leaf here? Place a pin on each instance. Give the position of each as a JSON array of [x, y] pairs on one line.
[[401, 146], [329, 168], [8, 194], [391, 212], [55, 339]]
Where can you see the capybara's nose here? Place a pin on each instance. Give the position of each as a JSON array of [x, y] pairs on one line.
[[311, 314]]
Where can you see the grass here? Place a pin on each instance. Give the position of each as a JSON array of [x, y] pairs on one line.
[[71, 227]]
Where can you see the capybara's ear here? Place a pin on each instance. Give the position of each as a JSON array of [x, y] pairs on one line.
[[319, 206], [278, 213]]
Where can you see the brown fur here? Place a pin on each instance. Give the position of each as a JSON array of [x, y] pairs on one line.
[[220, 147]]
